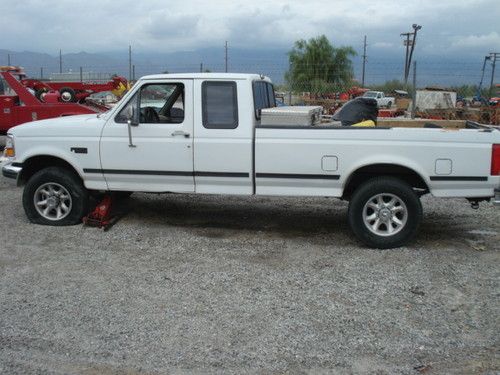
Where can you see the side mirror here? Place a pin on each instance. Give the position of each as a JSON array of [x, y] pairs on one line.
[[258, 113]]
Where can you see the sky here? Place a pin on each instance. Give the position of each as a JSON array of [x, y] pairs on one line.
[[451, 28]]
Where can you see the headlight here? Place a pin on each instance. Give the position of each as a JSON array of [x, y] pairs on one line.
[[9, 151]]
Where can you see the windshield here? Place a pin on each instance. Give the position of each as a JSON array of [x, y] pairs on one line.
[[370, 94]]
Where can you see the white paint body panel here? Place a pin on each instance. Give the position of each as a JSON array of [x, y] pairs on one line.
[[156, 150], [285, 157]]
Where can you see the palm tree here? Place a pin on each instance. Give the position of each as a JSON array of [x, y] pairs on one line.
[[317, 66]]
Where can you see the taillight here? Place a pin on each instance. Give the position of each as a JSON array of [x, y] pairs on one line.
[[495, 160]]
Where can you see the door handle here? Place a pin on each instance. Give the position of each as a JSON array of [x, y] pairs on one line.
[[180, 133]]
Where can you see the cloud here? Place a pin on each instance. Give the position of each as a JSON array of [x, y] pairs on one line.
[[383, 45], [485, 41], [167, 25]]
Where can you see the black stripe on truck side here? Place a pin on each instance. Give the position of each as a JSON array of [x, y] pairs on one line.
[[459, 178], [299, 176], [167, 173]]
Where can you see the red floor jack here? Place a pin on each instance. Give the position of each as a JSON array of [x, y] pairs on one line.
[[101, 216]]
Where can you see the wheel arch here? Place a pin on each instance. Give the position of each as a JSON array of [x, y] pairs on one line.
[[38, 162], [366, 172]]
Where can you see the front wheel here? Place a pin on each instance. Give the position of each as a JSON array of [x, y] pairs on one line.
[[55, 196], [385, 212]]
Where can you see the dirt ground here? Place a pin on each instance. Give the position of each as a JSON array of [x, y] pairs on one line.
[[206, 284]]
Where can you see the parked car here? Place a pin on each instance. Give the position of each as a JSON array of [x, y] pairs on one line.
[[207, 134], [379, 96]]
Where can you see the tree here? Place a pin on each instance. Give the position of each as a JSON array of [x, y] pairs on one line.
[[317, 66]]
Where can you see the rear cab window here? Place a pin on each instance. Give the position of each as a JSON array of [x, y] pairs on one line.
[[263, 96], [219, 104]]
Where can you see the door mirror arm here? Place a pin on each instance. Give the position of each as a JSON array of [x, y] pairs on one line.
[[131, 122]]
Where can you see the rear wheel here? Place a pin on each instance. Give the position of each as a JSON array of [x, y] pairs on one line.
[[389, 105], [385, 212], [68, 95], [55, 196]]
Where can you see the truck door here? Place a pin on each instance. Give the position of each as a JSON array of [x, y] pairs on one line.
[[160, 158], [223, 143]]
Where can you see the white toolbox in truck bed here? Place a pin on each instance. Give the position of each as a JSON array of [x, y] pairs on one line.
[[291, 115]]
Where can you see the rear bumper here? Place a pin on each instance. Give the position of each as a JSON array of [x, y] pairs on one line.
[[496, 198], [12, 170]]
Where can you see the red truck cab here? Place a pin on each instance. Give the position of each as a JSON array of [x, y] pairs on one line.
[[19, 105]]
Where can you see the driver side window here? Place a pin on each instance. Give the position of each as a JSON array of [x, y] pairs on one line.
[[159, 103]]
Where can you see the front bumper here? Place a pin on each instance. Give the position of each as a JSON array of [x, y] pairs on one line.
[[12, 170], [496, 198]]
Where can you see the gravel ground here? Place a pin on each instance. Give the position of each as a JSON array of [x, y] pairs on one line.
[[204, 284]]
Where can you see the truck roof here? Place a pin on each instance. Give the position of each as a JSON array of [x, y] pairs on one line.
[[243, 76]]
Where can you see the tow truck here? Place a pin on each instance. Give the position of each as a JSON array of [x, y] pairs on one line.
[[18, 104], [76, 92]]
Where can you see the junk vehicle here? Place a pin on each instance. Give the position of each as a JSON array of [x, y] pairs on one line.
[[219, 133], [72, 92], [19, 105], [379, 96]]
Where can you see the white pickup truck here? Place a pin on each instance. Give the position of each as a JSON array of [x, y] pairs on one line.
[[202, 133], [379, 96]]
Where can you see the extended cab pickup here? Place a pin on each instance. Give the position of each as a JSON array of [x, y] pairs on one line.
[[379, 96], [203, 133]]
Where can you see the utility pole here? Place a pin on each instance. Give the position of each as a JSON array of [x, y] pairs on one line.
[[60, 61], [406, 43], [414, 101], [364, 63], [8, 59], [130, 62], [415, 29], [81, 74], [133, 72], [201, 67], [493, 56], [41, 73], [225, 57], [410, 45]]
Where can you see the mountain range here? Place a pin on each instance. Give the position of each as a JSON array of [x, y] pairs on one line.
[[380, 67]]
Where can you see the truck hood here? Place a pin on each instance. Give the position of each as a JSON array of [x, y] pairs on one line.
[[74, 126]]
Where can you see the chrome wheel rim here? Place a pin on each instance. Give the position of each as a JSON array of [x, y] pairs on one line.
[[385, 214], [52, 201], [65, 96]]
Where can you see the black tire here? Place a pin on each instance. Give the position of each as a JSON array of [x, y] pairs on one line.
[[393, 187], [68, 95], [40, 93], [69, 181], [389, 105]]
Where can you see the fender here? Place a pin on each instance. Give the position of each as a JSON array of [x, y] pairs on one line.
[[384, 159]]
